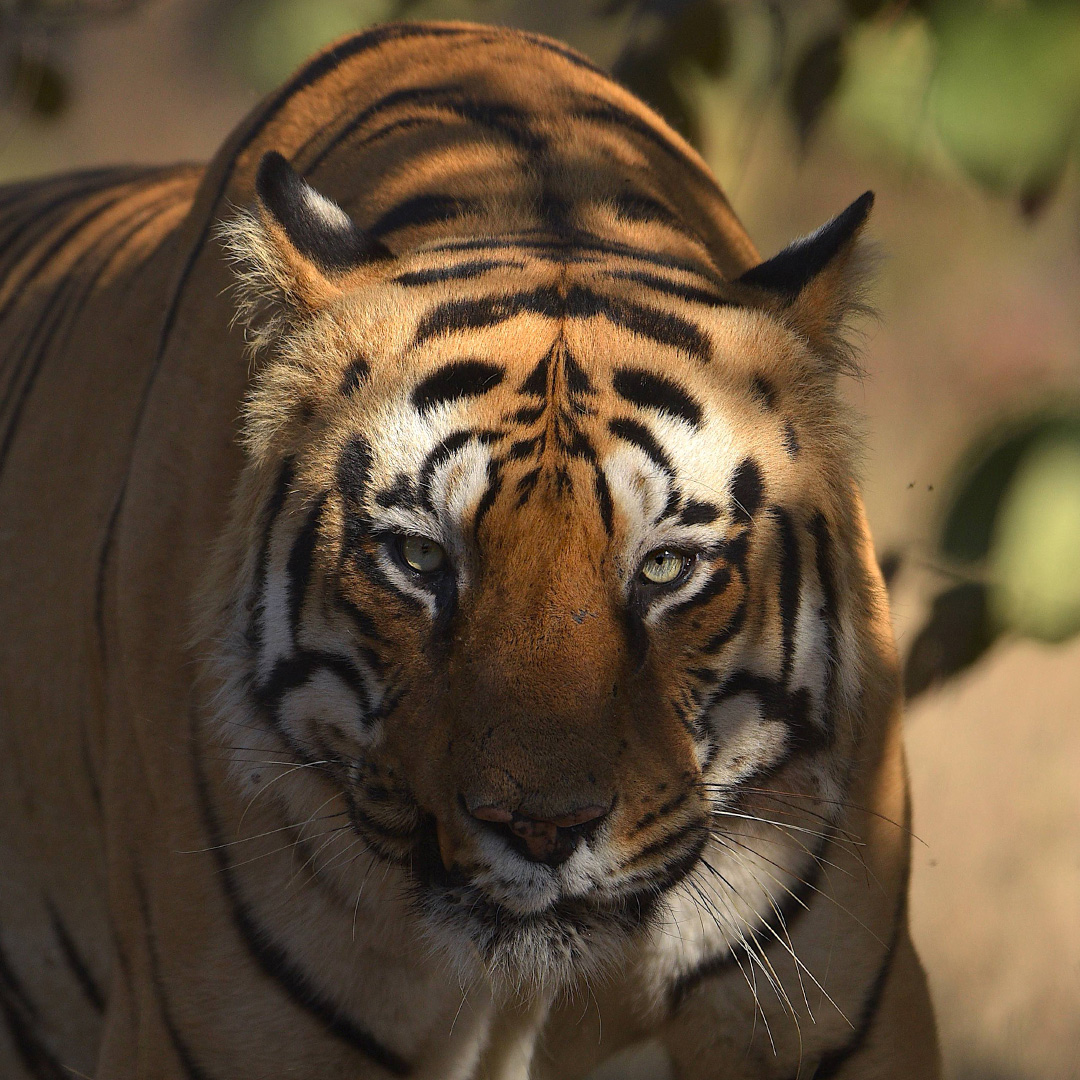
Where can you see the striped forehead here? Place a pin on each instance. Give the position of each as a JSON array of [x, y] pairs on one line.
[[489, 375]]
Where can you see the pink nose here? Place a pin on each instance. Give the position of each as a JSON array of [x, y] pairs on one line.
[[546, 840]]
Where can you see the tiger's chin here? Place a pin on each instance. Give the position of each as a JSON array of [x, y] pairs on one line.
[[541, 943], [543, 952]]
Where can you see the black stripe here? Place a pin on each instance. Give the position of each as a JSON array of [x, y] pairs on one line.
[[272, 959], [747, 490], [726, 632], [834, 1060], [456, 380], [421, 210], [698, 513], [789, 587], [649, 391], [603, 498], [293, 672], [21, 1016], [640, 206], [639, 435], [605, 113], [192, 1069], [487, 500], [262, 567], [819, 527], [356, 374], [464, 271], [78, 966], [401, 493], [764, 391], [442, 452], [717, 584], [299, 565], [665, 328], [536, 385], [665, 285], [576, 248], [474, 313]]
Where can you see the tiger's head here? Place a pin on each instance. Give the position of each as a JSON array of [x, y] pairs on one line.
[[542, 563]]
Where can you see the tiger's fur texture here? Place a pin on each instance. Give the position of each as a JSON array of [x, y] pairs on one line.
[[524, 813]]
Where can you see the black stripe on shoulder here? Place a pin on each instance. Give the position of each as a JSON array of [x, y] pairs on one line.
[[272, 959], [834, 1060], [456, 380], [649, 391], [20, 1015], [79, 968], [607, 114], [192, 1069]]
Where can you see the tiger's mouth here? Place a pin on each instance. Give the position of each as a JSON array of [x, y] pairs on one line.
[[534, 927]]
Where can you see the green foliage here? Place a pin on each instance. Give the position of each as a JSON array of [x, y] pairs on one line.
[[1012, 528], [267, 39], [684, 35], [1034, 562], [1006, 92]]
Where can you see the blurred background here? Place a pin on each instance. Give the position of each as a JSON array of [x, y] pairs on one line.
[[964, 117]]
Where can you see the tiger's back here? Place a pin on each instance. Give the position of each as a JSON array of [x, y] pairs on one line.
[[501, 171]]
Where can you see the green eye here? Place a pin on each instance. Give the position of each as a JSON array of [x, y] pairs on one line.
[[663, 566], [422, 554]]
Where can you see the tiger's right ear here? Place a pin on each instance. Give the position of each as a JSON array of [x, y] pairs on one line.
[[292, 251]]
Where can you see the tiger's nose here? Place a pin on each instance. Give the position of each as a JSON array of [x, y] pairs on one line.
[[549, 840]]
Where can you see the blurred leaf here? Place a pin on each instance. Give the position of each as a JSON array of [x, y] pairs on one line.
[[647, 74], [1006, 95], [889, 563], [882, 96], [701, 32], [957, 633], [268, 39], [1035, 556], [865, 9], [968, 531], [39, 86], [814, 82]]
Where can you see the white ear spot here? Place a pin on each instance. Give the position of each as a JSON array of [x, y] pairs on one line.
[[324, 210]]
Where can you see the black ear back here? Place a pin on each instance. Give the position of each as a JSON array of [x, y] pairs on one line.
[[791, 270], [318, 228]]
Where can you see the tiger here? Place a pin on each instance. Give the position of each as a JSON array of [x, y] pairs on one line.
[[442, 636]]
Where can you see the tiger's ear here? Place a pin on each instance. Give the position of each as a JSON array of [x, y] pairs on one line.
[[817, 282], [293, 250]]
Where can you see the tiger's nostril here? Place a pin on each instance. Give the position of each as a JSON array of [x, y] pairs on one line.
[[548, 840]]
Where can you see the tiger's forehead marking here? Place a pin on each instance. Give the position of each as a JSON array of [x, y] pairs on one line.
[[549, 368]]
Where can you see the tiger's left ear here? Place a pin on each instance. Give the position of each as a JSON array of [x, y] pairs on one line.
[[816, 283], [293, 251]]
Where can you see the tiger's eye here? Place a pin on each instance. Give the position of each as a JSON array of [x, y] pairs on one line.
[[422, 554], [663, 566]]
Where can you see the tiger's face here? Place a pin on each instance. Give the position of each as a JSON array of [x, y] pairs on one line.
[[541, 580]]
